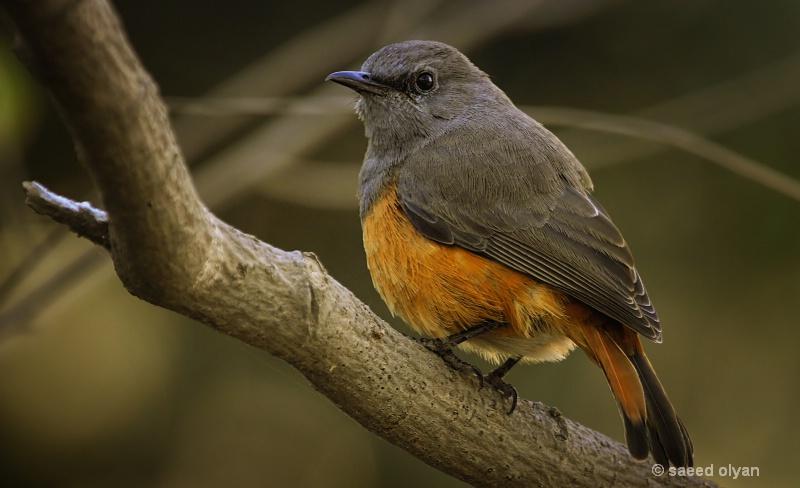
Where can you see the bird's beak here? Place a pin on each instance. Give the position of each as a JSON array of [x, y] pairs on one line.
[[359, 81]]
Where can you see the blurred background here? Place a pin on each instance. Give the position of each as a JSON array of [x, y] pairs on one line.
[[99, 389]]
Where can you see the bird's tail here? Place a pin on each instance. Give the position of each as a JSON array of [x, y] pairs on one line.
[[651, 425]]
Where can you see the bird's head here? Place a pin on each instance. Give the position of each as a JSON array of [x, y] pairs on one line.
[[412, 90]]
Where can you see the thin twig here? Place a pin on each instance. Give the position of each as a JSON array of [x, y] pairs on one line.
[[81, 218], [673, 136]]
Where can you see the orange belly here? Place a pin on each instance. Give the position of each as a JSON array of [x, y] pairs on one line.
[[440, 290]]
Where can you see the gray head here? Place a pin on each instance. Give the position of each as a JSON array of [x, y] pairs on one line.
[[413, 90], [426, 98]]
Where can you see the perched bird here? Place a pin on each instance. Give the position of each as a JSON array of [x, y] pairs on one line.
[[480, 230]]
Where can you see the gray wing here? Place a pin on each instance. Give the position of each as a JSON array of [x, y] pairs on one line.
[[552, 232]]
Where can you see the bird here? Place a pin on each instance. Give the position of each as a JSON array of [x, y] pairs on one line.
[[480, 231]]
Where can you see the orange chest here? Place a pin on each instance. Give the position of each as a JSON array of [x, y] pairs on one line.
[[440, 289]]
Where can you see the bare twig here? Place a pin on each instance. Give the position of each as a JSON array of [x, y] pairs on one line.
[[14, 321], [673, 136], [81, 218], [23, 267]]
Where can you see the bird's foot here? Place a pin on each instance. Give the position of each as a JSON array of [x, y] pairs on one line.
[[495, 378], [443, 348]]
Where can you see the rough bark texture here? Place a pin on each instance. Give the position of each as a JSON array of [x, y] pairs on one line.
[[169, 250]]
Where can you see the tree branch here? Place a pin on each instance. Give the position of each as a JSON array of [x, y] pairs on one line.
[[170, 250], [81, 218]]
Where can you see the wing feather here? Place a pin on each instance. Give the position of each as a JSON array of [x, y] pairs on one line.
[[556, 234]]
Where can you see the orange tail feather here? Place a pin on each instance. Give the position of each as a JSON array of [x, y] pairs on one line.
[[651, 425], [625, 385]]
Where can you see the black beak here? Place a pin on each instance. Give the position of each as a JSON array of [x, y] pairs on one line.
[[359, 81]]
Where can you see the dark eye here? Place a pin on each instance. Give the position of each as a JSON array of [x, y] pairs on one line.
[[424, 82]]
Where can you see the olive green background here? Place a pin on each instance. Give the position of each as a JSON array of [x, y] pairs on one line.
[[99, 389]]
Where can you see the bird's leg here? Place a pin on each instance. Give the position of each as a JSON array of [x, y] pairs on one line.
[[495, 378], [474, 331], [444, 347], [501, 371]]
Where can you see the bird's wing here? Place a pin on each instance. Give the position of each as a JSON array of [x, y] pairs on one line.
[[543, 227]]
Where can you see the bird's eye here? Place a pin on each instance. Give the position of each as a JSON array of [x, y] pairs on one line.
[[424, 82]]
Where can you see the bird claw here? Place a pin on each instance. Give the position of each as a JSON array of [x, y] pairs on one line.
[[496, 380], [443, 348]]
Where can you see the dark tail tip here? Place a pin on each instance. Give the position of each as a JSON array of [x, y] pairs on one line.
[[667, 438], [636, 437]]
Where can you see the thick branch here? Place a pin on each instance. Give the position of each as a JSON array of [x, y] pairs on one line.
[[121, 130], [169, 250], [387, 382]]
